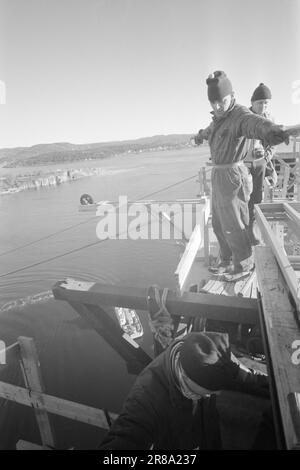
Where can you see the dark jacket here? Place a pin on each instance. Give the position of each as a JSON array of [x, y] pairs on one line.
[[156, 414]]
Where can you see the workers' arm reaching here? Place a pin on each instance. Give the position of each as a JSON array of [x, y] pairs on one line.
[[253, 126], [203, 134]]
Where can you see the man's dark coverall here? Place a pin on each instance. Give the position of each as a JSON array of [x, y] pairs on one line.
[[227, 136], [256, 160]]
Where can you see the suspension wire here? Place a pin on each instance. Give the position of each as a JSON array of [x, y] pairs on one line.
[[88, 220], [46, 237], [89, 244]]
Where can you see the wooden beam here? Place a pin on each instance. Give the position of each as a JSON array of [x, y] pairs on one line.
[[135, 357], [33, 380], [188, 258], [192, 304], [25, 445], [282, 335], [291, 212], [58, 406], [294, 258], [274, 207], [285, 266], [206, 241]]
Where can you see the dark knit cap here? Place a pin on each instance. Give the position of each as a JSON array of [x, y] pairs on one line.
[[262, 92], [207, 360], [218, 85]]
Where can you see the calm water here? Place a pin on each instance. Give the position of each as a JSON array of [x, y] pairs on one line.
[[76, 363]]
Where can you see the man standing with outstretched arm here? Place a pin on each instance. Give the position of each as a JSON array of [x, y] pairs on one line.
[[232, 125]]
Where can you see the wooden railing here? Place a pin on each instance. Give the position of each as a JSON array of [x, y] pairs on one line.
[[34, 395]]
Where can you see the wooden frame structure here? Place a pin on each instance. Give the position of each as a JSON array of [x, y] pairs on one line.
[[278, 282], [188, 258], [198, 240], [281, 211], [34, 396], [281, 333], [288, 186]]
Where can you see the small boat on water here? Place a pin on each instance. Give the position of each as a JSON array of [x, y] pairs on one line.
[[10, 191], [129, 322]]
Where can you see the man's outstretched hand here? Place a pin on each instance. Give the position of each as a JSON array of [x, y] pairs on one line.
[[293, 131], [198, 138]]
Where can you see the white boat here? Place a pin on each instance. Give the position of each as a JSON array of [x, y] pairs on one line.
[[129, 322], [10, 191]]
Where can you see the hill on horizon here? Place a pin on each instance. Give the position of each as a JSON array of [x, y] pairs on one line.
[[64, 151]]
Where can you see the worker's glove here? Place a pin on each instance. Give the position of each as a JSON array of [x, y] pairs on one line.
[[251, 382], [199, 138], [239, 378], [279, 135]]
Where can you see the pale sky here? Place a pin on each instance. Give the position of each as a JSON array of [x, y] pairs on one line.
[[97, 70]]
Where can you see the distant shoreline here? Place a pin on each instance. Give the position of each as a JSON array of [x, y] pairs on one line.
[[36, 180]]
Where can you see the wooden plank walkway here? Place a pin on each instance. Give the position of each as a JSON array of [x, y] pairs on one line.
[[245, 287], [282, 335]]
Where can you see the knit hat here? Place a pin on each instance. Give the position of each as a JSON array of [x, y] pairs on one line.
[[262, 92], [219, 86], [207, 360]]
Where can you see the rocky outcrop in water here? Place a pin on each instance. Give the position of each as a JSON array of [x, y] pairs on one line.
[[13, 184]]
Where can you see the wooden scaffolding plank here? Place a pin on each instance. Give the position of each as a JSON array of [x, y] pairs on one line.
[[254, 288], [285, 266], [207, 286], [228, 289], [187, 259], [277, 207], [205, 222], [282, 334], [58, 406], [294, 215], [33, 380], [242, 286], [217, 287], [216, 307], [135, 357], [25, 445]]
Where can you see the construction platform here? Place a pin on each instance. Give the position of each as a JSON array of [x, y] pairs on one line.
[[267, 298]]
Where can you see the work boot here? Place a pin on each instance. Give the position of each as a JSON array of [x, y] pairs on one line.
[[252, 238], [220, 268], [238, 272]]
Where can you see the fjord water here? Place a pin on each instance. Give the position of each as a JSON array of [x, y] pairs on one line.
[[76, 363]]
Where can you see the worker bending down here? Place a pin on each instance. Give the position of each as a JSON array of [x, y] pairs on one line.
[[195, 395]]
